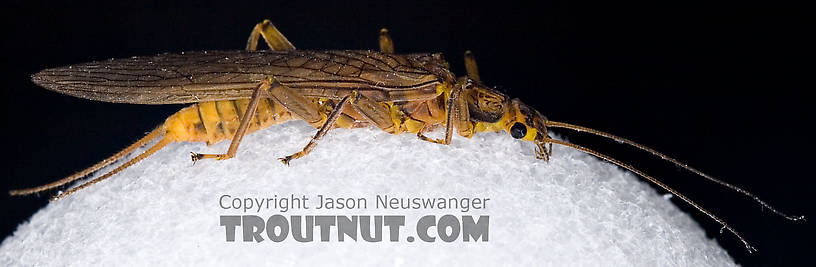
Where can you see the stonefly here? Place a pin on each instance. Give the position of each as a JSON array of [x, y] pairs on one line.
[[238, 92]]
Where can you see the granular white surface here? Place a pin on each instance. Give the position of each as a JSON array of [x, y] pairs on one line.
[[574, 210]]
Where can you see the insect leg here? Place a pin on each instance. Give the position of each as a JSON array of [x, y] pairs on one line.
[[365, 109], [302, 107], [421, 135], [349, 122], [386, 44], [348, 119], [266, 84], [470, 65], [330, 121], [457, 114], [274, 38], [376, 113]]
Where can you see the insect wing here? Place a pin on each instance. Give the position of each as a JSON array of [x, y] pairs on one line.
[[227, 75]]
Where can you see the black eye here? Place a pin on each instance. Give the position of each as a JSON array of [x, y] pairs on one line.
[[518, 130]]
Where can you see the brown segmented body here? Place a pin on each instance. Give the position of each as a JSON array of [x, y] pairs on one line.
[[221, 83], [228, 75], [224, 87], [396, 93]]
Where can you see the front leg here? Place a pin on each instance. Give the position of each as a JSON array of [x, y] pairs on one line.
[[456, 115]]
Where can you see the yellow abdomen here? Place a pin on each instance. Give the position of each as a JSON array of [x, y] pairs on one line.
[[215, 121]]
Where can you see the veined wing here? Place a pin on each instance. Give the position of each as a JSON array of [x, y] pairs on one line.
[[226, 75]]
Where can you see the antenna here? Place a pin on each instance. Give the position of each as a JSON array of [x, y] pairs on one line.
[[555, 124], [658, 183]]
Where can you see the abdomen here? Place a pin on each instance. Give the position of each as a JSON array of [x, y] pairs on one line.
[[215, 121]]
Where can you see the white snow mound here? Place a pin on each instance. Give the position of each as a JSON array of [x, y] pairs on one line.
[[575, 210]]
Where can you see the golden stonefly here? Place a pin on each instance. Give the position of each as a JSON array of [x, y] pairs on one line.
[[238, 92]]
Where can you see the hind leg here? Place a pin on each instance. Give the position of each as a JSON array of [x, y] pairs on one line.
[[271, 35]]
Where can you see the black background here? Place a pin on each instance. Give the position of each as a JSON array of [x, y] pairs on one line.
[[720, 85]]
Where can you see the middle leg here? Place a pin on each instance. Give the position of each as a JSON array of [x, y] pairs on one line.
[[375, 113], [329, 124]]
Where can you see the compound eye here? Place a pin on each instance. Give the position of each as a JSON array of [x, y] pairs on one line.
[[518, 130]]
